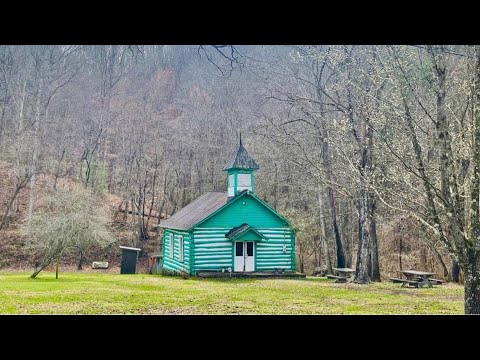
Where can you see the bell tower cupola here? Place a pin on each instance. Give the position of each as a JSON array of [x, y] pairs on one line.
[[240, 168]]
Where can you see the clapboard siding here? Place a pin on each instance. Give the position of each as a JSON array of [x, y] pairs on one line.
[[270, 255], [213, 251], [173, 264]]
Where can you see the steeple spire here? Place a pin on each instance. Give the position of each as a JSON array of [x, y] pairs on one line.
[[241, 159]]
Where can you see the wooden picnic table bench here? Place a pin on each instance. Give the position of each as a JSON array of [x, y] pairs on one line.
[[417, 279], [336, 277], [345, 275], [405, 281]]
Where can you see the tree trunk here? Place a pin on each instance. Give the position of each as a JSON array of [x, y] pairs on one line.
[[440, 260], [472, 287], [361, 271], [470, 262], [346, 235], [369, 261], [375, 272], [275, 188], [323, 234], [56, 269], [400, 249], [338, 241], [144, 201], [318, 251], [57, 170], [36, 145], [455, 272], [2, 122], [38, 269], [154, 183], [423, 257], [80, 261], [333, 213], [142, 234], [19, 186], [366, 203], [329, 177], [183, 184], [160, 211], [134, 224], [125, 214], [301, 259]]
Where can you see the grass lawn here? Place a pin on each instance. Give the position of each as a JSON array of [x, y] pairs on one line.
[[91, 293]]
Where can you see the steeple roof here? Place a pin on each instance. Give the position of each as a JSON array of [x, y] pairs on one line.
[[241, 159]]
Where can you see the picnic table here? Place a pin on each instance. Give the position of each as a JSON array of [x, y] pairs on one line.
[[344, 275], [417, 279]]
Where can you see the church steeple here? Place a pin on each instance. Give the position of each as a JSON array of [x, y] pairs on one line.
[[240, 168]]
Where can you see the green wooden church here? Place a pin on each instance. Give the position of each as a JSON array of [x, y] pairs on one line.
[[231, 231]]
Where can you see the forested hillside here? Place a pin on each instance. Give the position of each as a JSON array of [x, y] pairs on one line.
[[371, 151]]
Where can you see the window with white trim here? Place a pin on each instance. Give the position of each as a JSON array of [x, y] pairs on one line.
[[180, 248], [231, 185], [171, 246], [244, 182]]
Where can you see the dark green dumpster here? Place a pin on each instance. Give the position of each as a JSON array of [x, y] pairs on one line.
[[129, 260]]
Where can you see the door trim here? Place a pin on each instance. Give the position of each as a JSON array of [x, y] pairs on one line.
[[244, 251]]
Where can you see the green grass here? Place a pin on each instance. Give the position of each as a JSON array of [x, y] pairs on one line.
[[90, 293]]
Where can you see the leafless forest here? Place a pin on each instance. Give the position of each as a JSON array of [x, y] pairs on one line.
[[373, 152]]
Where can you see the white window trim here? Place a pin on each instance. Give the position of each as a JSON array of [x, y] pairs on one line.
[[171, 245], [180, 248]]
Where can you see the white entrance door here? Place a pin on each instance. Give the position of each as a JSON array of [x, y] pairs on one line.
[[244, 256]]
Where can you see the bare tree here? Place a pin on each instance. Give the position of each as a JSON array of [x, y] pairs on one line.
[[71, 221]]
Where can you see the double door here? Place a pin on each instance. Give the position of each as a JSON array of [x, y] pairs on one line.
[[244, 256]]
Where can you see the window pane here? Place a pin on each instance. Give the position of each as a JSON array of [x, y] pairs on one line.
[[244, 180], [180, 248], [250, 248], [230, 180], [239, 249]]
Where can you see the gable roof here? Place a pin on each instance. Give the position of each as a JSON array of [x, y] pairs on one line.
[[204, 207], [241, 160], [238, 231], [196, 211]]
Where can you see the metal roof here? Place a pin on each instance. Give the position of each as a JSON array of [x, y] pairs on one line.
[[130, 248], [196, 211], [237, 230], [241, 160]]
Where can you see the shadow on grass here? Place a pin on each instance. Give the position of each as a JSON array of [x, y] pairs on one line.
[[62, 279], [317, 279], [230, 280]]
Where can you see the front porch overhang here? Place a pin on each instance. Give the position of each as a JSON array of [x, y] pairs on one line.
[[244, 232]]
